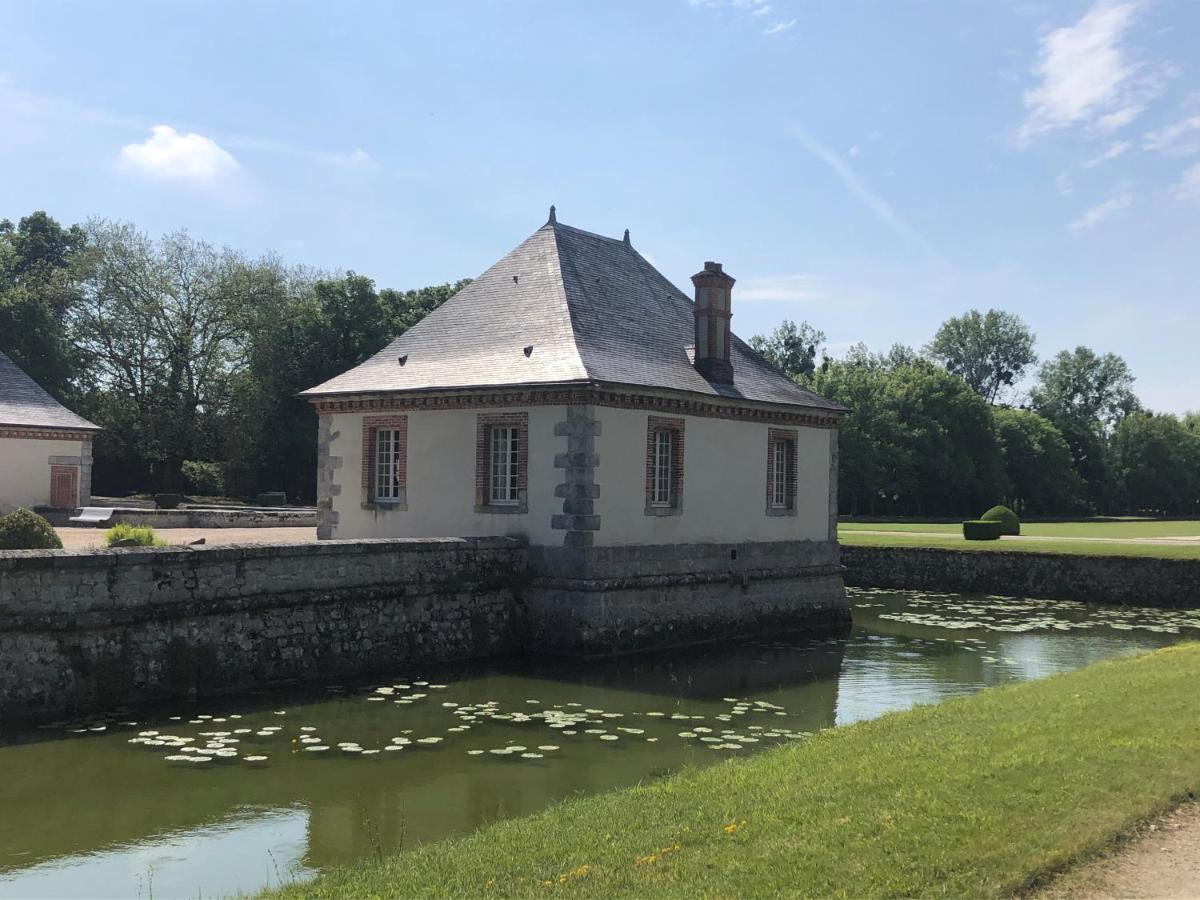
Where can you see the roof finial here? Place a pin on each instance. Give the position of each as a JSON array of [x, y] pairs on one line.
[[627, 236], [553, 219]]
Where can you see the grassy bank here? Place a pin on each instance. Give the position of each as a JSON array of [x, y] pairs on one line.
[[853, 537], [974, 797]]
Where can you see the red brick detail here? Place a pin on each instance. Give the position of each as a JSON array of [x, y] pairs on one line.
[[484, 422], [44, 434], [675, 404], [370, 425], [675, 426], [789, 437]]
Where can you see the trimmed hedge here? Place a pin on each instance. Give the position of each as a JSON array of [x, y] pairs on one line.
[[1009, 523], [981, 530], [23, 529]]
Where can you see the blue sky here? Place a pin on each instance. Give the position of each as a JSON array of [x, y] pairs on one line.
[[872, 167]]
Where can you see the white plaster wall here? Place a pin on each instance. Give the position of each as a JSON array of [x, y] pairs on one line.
[[25, 470], [441, 479], [724, 483]]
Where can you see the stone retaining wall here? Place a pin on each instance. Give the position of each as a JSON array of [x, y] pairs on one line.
[[1122, 580], [216, 517], [93, 630]]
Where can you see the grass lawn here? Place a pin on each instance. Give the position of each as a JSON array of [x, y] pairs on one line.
[[973, 797], [1089, 528], [955, 541]]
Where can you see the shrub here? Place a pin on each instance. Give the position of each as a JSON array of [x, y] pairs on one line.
[[981, 530], [167, 501], [23, 529], [275, 498], [204, 478], [125, 535], [1009, 523]]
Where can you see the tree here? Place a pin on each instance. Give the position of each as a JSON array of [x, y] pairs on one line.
[[989, 351], [1082, 385], [1156, 465], [791, 347], [1038, 464]]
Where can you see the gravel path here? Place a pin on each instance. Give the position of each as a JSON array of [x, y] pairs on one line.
[[91, 538], [1162, 860]]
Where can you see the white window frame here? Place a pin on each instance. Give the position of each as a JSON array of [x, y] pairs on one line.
[[660, 485], [779, 474], [503, 465], [388, 488]]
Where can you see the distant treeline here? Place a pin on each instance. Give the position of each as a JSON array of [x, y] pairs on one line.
[[929, 433], [189, 356]]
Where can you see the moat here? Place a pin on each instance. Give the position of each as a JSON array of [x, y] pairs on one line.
[[221, 797]]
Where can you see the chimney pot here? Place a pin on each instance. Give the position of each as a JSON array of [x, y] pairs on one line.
[[713, 311]]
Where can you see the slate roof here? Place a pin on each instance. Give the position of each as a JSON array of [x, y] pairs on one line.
[[593, 309], [24, 402]]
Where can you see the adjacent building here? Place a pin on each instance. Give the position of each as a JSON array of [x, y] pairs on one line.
[[574, 397], [45, 449]]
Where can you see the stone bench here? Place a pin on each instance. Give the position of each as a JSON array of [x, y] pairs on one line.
[[93, 515]]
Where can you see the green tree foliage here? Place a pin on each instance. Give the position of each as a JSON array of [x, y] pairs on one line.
[[37, 293], [791, 347], [1156, 465], [989, 351], [1037, 464], [1091, 389]]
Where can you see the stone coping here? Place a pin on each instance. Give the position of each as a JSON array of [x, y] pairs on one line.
[[14, 559]]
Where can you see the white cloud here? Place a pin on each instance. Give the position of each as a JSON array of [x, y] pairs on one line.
[[1114, 150], [859, 188], [1101, 211], [1177, 139], [1188, 186], [755, 8], [1083, 73], [781, 288], [185, 157], [780, 27]]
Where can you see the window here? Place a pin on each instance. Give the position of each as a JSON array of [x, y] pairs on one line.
[[660, 490], [781, 472], [779, 467], [503, 465], [664, 466], [384, 462], [388, 451]]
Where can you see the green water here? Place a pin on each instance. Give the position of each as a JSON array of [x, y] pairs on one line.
[[94, 809]]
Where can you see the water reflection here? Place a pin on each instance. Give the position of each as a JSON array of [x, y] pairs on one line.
[[83, 809]]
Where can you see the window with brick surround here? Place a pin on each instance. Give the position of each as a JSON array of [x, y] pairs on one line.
[[664, 466], [781, 472], [385, 462], [502, 463]]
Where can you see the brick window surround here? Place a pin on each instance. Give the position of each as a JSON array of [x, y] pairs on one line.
[[371, 426], [787, 438], [674, 507], [484, 423]]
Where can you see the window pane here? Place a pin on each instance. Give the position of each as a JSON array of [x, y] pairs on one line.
[[661, 482], [503, 475]]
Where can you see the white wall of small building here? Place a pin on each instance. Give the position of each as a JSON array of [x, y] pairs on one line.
[[441, 479], [724, 483], [724, 489], [25, 470]]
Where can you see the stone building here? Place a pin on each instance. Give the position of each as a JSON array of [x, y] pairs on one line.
[[45, 449], [572, 396]]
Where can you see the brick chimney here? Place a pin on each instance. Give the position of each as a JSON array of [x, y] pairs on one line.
[[713, 290]]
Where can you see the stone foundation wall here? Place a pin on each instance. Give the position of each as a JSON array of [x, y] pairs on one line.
[[94, 630], [231, 517], [598, 601], [1122, 580]]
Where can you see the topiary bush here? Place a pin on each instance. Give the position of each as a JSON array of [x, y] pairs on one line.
[[23, 529], [125, 535], [1009, 523], [168, 501], [274, 498], [207, 479], [981, 530]]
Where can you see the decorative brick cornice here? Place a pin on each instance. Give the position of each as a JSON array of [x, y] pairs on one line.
[[44, 434], [667, 402]]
